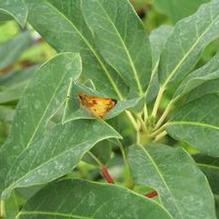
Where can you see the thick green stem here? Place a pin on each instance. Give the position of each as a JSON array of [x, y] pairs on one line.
[[129, 180], [95, 158], [145, 112], [164, 115], [132, 120], [157, 102], [2, 208], [160, 136]]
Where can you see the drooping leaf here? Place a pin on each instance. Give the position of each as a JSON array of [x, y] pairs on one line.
[[120, 38], [177, 10], [206, 73], [62, 25], [11, 50], [174, 175], [158, 38], [183, 47], [197, 123], [56, 153], [43, 97], [15, 8], [83, 199], [210, 167]]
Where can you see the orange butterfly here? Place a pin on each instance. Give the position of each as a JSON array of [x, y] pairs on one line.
[[98, 106]]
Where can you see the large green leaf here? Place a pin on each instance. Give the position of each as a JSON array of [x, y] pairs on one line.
[[11, 50], [217, 205], [209, 87], [158, 38], [177, 10], [43, 97], [12, 93], [206, 73], [197, 123], [15, 8], [83, 199], [62, 25], [210, 167], [182, 187], [120, 38], [56, 153], [189, 38]]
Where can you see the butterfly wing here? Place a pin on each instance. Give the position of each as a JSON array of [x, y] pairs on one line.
[[98, 106]]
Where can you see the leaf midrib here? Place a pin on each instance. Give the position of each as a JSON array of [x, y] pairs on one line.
[[126, 50], [53, 214], [92, 50], [192, 124], [209, 166], [187, 54], [162, 178], [39, 123], [53, 158]]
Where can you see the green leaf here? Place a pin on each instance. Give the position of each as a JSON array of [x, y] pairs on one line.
[[6, 113], [56, 153], [15, 8], [83, 199], [62, 25], [43, 97], [158, 38], [102, 151], [182, 50], [11, 50], [120, 38], [217, 205], [12, 206], [18, 76], [209, 87], [197, 123], [210, 167], [12, 93], [177, 10], [206, 73], [174, 175]]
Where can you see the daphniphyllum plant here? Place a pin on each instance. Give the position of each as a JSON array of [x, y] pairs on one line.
[[133, 110]]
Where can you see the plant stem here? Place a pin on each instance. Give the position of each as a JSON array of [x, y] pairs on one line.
[[164, 115], [159, 136], [103, 168], [138, 137], [157, 101], [2, 208], [129, 178], [142, 123], [95, 158], [132, 120], [106, 174], [145, 112], [158, 131]]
